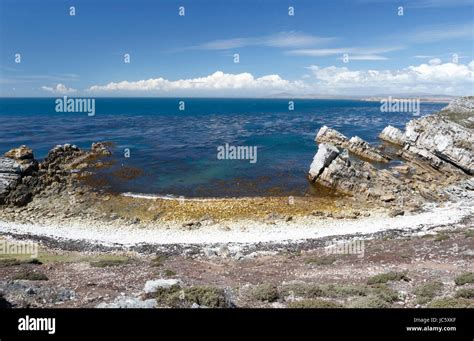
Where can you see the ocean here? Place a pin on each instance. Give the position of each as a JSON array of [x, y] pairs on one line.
[[168, 151]]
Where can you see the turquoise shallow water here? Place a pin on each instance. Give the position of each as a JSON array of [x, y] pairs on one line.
[[177, 150]]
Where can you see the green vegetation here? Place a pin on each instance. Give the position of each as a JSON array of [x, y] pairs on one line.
[[385, 293], [467, 277], [323, 260], [450, 302], [308, 290], [205, 296], [169, 273], [313, 303], [311, 291], [465, 293], [30, 276], [426, 292], [441, 237], [386, 277], [176, 297], [15, 261], [102, 263], [265, 292], [469, 233], [158, 260], [369, 302]]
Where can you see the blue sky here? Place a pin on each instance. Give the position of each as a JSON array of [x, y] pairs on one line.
[[428, 50]]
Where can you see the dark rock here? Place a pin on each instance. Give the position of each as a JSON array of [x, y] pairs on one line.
[[395, 213], [9, 176], [19, 196], [4, 304]]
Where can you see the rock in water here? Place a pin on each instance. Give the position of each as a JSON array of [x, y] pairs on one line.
[[325, 155], [437, 151], [21, 177], [393, 135], [355, 145], [328, 135]]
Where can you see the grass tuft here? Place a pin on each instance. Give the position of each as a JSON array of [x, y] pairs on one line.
[[386, 277], [465, 278]]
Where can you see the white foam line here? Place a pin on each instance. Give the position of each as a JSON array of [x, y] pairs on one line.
[[245, 232], [164, 197]]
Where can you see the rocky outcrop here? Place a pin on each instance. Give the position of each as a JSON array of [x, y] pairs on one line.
[[10, 176], [436, 151], [441, 141], [353, 176], [355, 145], [25, 158], [393, 135], [325, 155], [69, 157], [22, 177], [460, 110]]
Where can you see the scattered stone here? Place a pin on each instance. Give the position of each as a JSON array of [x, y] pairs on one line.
[[396, 213], [387, 198], [223, 251], [154, 285], [129, 303], [209, 252]]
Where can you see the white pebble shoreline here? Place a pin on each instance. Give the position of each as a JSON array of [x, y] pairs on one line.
[[242, 231]]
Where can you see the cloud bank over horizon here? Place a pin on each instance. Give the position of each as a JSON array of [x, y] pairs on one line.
[[433, 77]]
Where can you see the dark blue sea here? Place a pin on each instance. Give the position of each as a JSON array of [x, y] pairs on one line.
[[176, 151]]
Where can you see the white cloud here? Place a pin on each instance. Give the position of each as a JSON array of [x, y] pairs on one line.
[[434, 61], [290, 39], [218, 81], [373, 57], [432, 34], [355, 53], [58, 89], [434, 77]]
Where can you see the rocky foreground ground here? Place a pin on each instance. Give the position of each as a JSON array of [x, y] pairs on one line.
[[92, 255]]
